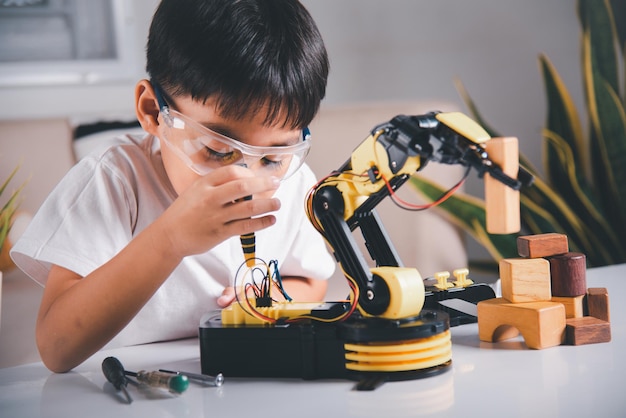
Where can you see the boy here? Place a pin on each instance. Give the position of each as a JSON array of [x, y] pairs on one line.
[[138, 241]]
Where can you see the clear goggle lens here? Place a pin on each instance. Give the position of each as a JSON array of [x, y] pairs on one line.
[[204, 150]]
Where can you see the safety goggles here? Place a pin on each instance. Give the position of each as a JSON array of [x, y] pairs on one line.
[[204, 150]]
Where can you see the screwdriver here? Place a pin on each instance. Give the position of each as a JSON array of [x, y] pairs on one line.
[[217, 380], [248, 244], [175, 383], [114, 373]]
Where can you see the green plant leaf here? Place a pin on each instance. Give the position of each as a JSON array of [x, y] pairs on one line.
[[596, 222], [539, 204], [565, 153], [8, 180], [473, 109], [619, 16], [9, 208], [562, 119], [591, 211], [608, 122], [543, 210], [603, 35], [468, 213], [597, 22]]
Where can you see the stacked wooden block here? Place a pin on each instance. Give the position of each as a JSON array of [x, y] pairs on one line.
[[545, 298]]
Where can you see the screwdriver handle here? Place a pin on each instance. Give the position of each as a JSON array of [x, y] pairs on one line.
[[177, 383], [248, 244], [114, 372]]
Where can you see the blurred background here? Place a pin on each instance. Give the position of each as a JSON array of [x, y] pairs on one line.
[[380, 51]]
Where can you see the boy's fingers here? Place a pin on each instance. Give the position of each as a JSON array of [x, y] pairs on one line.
[[227, 297], [229, 173], [242, 226], [251, 215], [234, 186]]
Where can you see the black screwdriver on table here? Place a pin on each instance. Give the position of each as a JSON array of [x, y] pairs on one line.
[[114, 372]]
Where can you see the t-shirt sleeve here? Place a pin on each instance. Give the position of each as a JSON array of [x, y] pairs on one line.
[[84, 222]]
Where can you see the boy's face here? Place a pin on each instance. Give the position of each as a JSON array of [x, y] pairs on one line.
[[249, 131]]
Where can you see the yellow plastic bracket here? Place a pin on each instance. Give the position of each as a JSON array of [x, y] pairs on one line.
[[463, 125]]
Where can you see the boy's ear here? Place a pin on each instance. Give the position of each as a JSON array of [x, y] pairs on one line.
[[146, 107]]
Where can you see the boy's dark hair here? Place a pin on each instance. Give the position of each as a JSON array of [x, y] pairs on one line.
[[251, 55]]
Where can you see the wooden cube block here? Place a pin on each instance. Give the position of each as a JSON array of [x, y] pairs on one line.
[[597, 303], [587, 330], [542, 324], [568, 274], [574, 306], [542, 245], [502, 203], [525, 279]]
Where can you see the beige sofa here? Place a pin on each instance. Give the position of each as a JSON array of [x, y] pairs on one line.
[[46, 150]]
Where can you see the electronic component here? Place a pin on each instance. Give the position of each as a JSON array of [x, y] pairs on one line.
[[400, 349]]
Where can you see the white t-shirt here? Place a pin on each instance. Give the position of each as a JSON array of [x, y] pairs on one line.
[[109, 197]]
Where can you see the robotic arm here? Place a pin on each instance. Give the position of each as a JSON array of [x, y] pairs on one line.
[[390, 337], [384, 161]]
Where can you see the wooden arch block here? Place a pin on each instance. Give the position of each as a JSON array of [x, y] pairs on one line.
[[542, 324]]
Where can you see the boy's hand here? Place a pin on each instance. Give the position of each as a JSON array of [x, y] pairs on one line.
[[212, 209], [227, 297]]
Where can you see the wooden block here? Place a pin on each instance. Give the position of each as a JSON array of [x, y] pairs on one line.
[[542, 324], [525, 279], [587, 330], [597, 303], [574, 306], [542, 245], [502, 204], [568, 274]]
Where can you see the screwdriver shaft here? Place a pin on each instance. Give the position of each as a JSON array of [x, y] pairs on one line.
[[204, 378], [127, 395], [114, 372]]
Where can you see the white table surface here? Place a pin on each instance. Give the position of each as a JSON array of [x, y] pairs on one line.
[[486, 380]]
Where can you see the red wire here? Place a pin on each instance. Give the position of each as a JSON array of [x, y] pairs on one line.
[[437, 202]]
